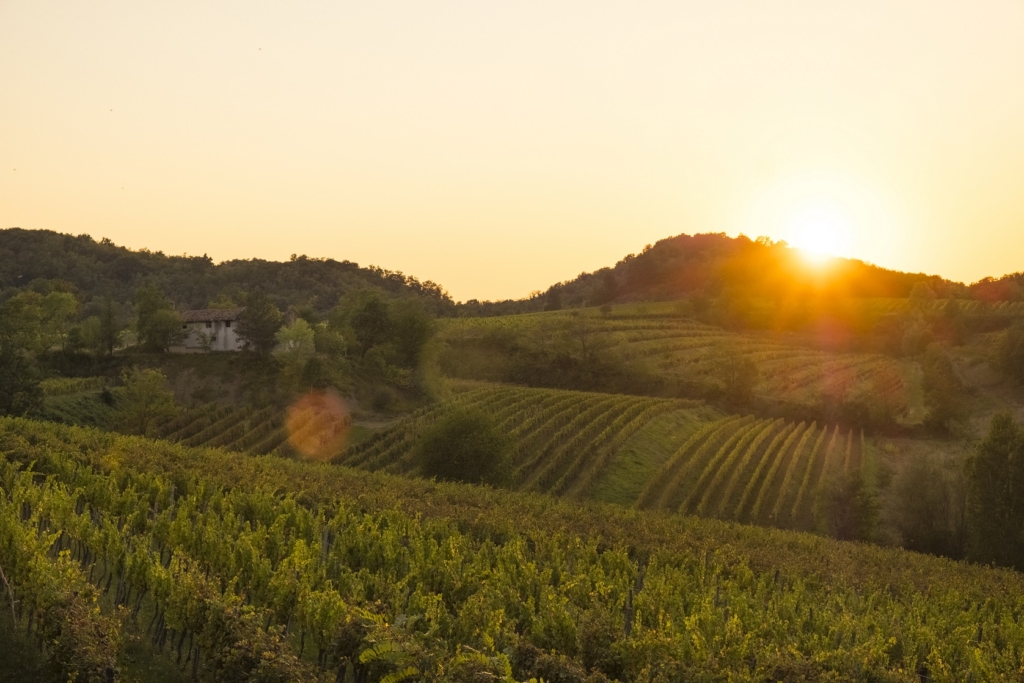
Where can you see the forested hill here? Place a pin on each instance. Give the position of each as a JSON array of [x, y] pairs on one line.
[[713, 264], [103, 269]]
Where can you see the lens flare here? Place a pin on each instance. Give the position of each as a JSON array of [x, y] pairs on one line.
[[318, 425]]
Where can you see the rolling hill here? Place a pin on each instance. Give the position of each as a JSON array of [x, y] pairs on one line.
[[219, 566]]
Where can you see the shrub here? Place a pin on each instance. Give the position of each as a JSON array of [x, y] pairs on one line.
[[466, 446]]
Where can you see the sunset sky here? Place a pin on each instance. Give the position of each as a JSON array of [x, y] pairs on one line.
[[497, 148]]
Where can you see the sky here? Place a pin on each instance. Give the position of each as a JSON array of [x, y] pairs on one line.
[[499, 147]]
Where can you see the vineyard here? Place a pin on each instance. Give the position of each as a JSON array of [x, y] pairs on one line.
[[693, 354], [756, 471], [256, 431], [64, 386], [236, 568], [564, 440]]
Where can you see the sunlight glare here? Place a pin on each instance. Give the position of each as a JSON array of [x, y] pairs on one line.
[[823, 214], [820, 230]]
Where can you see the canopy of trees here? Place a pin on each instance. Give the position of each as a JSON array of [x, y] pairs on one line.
[[102, 269], [714, 263]]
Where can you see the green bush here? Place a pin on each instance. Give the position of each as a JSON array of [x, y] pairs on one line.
[[465, 446]]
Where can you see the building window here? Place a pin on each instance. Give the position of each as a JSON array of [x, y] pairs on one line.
[[209, 325], [184, 327], [227, 323], [213, 338]]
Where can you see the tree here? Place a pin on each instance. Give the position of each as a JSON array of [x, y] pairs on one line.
[[58, 311], [110, 328], [259, 322], [928, 507], [143, 398], [19, 385], [553, 300], [609, 287], [413, 328], [1011, 352], [371, 320], [943, 392], [158, 324], [466, 446], [995, 476], [295, 346], [846, 508], [21, 321]]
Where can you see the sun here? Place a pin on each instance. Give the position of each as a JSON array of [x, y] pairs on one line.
[[820, 230], [823, 214]]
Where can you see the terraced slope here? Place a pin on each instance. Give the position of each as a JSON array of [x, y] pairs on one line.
[[646, 452], [693, 353], [257, 431], [763, 472], [564, 440]]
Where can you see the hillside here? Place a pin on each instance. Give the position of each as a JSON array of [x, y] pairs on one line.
[[663, 350], [453, 582], [564, 441], [102, 269], [645, 452], [710, 264]]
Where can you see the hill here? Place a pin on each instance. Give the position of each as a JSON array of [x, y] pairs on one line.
[[564, 441], [710, 264], [229, 565], [102, 269], [661, 349], [645, 452]]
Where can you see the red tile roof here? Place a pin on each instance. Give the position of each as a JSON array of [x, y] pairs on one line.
[[210, 314]]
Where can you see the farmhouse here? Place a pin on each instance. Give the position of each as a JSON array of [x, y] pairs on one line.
[[210, 329]]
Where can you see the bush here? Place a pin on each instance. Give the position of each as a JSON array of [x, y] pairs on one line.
[[465, 446]]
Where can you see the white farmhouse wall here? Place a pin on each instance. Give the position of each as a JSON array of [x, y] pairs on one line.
[[209, 334]]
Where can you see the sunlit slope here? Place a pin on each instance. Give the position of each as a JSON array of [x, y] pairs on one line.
[[652, 453], [283, 570], [654, 341], [564, 441], [765, 472]]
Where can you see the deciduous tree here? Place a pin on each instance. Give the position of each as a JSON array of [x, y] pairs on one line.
[[259, 322], [158, 324], [144, 397]]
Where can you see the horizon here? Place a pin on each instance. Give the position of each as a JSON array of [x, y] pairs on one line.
[[814, 261], [497, 150]]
